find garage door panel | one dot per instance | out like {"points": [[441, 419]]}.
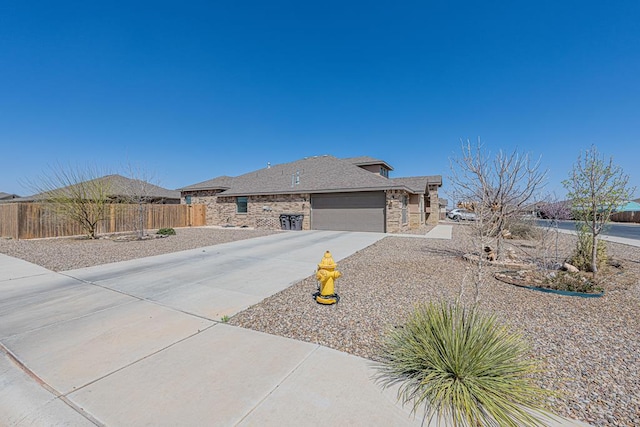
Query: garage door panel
{"points": [[361, 211]]}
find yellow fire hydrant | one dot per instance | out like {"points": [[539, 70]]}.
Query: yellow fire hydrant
{"points": [[326, 275]]}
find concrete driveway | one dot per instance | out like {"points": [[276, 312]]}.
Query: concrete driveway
{"points": [[140, 343]]}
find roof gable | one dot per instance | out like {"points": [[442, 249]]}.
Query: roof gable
{"points": [[418, 184]]}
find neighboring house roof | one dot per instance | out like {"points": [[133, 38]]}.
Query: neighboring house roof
{"points": [[366, 160], [7, 196], [121, 187], [319, 174], [418, 184], [632, 206]]}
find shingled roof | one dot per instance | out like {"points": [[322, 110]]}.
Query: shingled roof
{"points": [[7, 196], [366, 160], [220, 183], [121, 187], [418, 184], [322, 174], [319, 174]]}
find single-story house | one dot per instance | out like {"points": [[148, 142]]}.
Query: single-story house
{"points": [[324, 192], [119, 189], [6, 196]]}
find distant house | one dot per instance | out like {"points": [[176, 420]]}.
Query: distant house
{"points": [[324, 193], [122, 189], [6, 196], [627, 212], [632, 206], [443, 208]]}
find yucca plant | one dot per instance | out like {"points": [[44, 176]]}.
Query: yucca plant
{"points": [[463, 366]]}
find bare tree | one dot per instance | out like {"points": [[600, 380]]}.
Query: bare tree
{"points": [[499, 188], [80, 194], [553, 210], [596, 188], [138, 190]]}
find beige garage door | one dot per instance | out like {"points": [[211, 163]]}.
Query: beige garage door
{"points": [[361, 211]]}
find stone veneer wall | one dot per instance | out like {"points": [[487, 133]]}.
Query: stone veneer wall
{"points": [[434, 202], [205, 197], [263, 212], [394, 212]]}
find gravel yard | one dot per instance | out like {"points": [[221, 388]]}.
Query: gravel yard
{"points": [[61, 254], [590, 347]]}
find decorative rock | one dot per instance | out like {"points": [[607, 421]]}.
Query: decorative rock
{"points": [[511, 254], [570, 268]]}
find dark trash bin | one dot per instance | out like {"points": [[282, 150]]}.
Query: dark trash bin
{"points": [[296, 222], [285, 222]]}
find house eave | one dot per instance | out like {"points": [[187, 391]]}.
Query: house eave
{"points": [[315, 191]]}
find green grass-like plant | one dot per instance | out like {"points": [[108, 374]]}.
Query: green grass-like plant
{"points": [[167, 232], [463, 366]]}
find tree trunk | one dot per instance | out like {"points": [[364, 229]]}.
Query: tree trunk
{"points": [[594, 249]]}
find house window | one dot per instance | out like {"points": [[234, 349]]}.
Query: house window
{"points": [[241, 204], [384, 171], [187, 200]]}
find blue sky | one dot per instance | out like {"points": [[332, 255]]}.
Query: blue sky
{"points": [[193, 90]]}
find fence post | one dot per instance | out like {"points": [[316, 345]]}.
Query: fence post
{"points": [[20, 219], [16, 225]]}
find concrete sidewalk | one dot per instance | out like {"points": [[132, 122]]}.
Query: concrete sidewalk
{"points": [[621, 240], [440, 231], [141, 343]]}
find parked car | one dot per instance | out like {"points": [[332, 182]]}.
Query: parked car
{"points": [[458, 214]]}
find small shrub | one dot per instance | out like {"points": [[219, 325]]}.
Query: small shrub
{"points": [[574, 282], [224, 319], [523, 229], [167, 232], [581, 258], [462, 366]]}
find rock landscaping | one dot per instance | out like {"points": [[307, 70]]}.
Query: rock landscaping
{"points": [[68, 253], [589, 347]]}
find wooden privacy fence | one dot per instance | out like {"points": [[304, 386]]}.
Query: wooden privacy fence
{"points": [[627, 216], [38, 220]]}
